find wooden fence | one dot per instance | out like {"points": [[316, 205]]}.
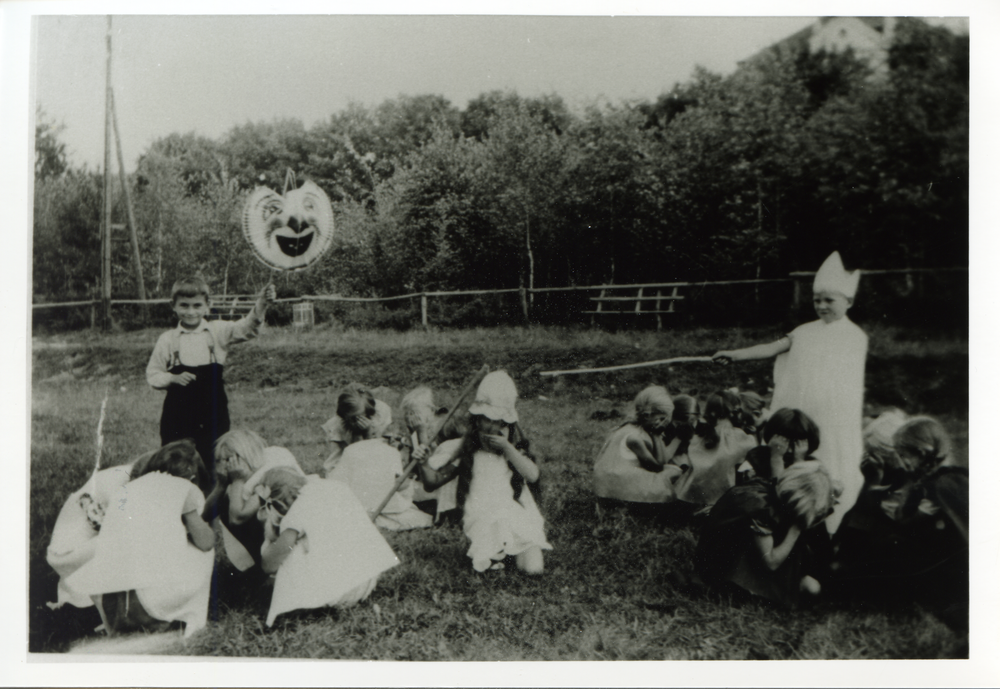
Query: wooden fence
{"points": [[617, 301]]}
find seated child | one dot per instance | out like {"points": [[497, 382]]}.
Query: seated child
{"points": [[319, 543], [496, 476], [73, 535], [241, 459], [632, 465], [153, 558], [685, 419], [790, 436], [424, 421], [359, 417], [754, 540], [719, 446], [907, 537]]}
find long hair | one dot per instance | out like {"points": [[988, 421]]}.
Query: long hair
{"points": [[179, 458], [472, 444], [243, 444]]}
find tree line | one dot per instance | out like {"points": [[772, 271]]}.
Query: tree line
{"points": [[750, 175]]}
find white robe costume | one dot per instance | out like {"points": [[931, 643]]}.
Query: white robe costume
{"points": [[823, 375], [339, 553], [143, 546]]}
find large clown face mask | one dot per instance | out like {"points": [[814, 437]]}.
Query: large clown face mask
{"points": [[290, 232]]}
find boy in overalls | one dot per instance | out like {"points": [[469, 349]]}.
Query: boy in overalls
{"points": [[187, 362]]}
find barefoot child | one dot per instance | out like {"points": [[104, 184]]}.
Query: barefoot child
{"points": [[754, 536], [820, 369], [632, 465], [320, 543], [187, 362], [495, 475], [153, 558]]}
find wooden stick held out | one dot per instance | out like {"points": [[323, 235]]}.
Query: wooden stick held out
{"points": [[469, 389], [642, 364]]}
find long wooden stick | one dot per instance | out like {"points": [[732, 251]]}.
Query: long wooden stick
{"points": [[642, 364], [469, 389], [100, 447]]}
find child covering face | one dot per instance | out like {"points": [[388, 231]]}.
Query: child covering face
{"points": [[633, 464], [319, 542], [154, 554]]}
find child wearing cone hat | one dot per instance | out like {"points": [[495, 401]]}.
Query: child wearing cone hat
{"points": [[820, 370]]}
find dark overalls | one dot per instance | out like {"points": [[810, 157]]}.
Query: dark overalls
{"points": [[198, 410]]}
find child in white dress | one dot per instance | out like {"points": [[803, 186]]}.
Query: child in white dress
{"points": [[319, 543], [153, 557], [359, 417], [79, 521], [495, 475], [820, 369]]}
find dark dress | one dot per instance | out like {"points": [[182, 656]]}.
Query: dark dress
{"points": [[920, 553], [727, 552]]}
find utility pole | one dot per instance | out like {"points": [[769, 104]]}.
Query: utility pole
{"points": [[133, 237], [106, 224]]}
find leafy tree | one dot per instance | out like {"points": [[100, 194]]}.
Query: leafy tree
{"points": [[50, 152]]}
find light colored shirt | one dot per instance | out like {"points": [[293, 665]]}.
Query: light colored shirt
{"points": [[195, 347]]}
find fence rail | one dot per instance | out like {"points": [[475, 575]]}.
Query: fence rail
{"points": [[604, 294]]}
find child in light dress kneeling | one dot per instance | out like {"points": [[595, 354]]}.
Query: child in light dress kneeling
{"points": [[633, 464], [319, 543], [496, 474], [153, 558]]}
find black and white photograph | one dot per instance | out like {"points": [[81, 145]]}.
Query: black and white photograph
{"points": [[511, 335]]}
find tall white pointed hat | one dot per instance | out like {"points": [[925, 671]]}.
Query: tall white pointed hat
{"points": [[831, 277]]}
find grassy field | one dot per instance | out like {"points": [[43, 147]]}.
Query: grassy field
{"points": [[607, 592]]}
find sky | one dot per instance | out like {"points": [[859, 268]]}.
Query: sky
{"points": [[209, 73]]}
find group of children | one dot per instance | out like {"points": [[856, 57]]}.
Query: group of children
{"points": [[138, 540]]}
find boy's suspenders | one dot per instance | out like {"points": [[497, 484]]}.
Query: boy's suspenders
{"points": [[174, 359]]}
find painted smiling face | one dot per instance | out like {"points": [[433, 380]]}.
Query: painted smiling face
{"points": [[290, 232]]}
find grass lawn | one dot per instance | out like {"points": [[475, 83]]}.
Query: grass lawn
{"points": [[607, 591]]}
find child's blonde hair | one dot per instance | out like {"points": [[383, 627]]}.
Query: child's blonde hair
{"points": [[925, 440], [279, 488], [189, 287], [808, 491], [241, 443], [652, 401], [419, 410]]}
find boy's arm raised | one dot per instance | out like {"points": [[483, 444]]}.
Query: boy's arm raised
{"points": [[246, 328]]}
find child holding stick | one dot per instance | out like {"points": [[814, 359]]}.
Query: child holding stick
{"points": [[496, 474], [820, 369]]}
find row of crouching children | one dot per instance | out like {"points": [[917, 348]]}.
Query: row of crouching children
{"points": [[138, 540], [762, 500]]}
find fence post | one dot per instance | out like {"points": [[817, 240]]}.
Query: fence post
{"points": [[524, 302], [659, 317], [423, 310]]}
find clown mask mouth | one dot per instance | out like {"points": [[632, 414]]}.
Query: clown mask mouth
{"points": [[294, 246]]}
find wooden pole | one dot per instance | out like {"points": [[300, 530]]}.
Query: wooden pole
{"points": [[423, 310], [106, 224], [642, 364], [133, 237], [469, 389]]}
